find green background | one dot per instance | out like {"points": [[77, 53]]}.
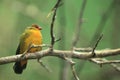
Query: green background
{"points": [[16, 15]]}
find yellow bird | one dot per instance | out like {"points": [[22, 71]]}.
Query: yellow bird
{"points": [[32, 35]]}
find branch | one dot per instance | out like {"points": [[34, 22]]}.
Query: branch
{"points": [[96, 44], [72, 63], [74, 72], [61, 54], [83, 49], [77, 34], [43, 65], [52, 23], [102, 61]]}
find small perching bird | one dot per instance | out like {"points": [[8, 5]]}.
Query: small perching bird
{"points": [[32, 35]]}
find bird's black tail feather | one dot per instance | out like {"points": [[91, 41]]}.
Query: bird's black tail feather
{"points": [[18, 69]]}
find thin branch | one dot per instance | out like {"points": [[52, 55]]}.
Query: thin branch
{"points": [[43, 65], [74, 72], [102, 61], [61, 54], [52, 23], [96, 44], [77, 34], [72, 63], [90, 49]]}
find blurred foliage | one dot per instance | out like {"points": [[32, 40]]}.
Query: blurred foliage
{"points": [[16, 15]]}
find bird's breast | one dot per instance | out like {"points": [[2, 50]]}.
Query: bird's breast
{"points": [[36, 39]]}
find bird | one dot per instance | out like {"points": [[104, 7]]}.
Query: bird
{"points": [[31, 35]]}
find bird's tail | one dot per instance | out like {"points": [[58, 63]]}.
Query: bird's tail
{"points": [[19, 66]]}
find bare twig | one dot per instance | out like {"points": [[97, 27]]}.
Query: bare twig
{"points": [[96, 44], [52, 24], [72, 63], [89, 50], [57, 40], [77, 34], [74, 72], [43, 65], [102, 61]]}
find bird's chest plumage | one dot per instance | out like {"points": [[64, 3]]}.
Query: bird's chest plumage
{"points": [[35, 38]]}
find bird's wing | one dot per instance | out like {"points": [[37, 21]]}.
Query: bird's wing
{"points": [[22, 45]]}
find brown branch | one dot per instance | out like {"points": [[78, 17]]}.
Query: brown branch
{"points": [[52, 23], [61, 54]]}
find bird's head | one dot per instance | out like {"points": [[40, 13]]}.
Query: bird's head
{"points": [[36, 26]]}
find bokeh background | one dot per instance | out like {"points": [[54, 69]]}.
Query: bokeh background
{"points": [[100, 16]]}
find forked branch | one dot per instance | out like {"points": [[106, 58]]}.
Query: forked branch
{"points": [[60, 54]]}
